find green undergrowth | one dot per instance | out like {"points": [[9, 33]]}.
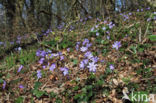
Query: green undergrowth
{"points": [[133, 62]]}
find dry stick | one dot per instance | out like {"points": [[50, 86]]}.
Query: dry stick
{"points": [[140, 34], [147, 28], [132, 25]]}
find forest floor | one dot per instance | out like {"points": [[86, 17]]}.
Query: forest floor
{"points": [[96, 62]]}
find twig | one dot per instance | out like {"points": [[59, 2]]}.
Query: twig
{"points": [[132, 25], [147, 28], [153, 77], [140, 34]]}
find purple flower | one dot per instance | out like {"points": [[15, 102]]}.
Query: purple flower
{"points": [[59, 53], [85, 41], [85, 61], [1, 43], [88, 45], [68, 49], [49, 51], [39, 74], [96, 26], [98, 19], [89, 17], [41, 60], [141, 9], [86, 18], [83, 49], [111, 67], [61, 58], [130, 13], [104, 28], [44, 67], [20, 68], [105, 22], [38, 53], [55, 54], [110, 23], [51, 55], [107, 32], [4, 84], [43, 53], [64, 70], [52, 67], [108, 37], [11, 43], [92, 67], [21, 86], [92, 29], [81, 20], [95, 59], [88, 55], [102, 61], [82, 65], [149, 19], [117, 45], [148, 8], [19, 48], [77, 47], [18, 41], [97, 34], [78, 43], [110, 26], [138, 10]]}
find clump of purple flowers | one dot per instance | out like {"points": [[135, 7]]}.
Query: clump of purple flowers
{"points": [[89, 60], [40, 53]]}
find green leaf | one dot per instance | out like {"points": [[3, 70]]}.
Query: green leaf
{"points": [[52, 94], [77, 96], [1, 80], [76, 88], [19, 100], [75, 61], [38, 93], [152, 38], [104, 42], [57, 38], [37, 85]]}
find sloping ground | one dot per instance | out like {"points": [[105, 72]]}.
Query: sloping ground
{"points": [[95, 63]]}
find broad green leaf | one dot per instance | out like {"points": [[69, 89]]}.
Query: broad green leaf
{"points": [[38, 93], [152, 37], [19, 100], [37, 85]]}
